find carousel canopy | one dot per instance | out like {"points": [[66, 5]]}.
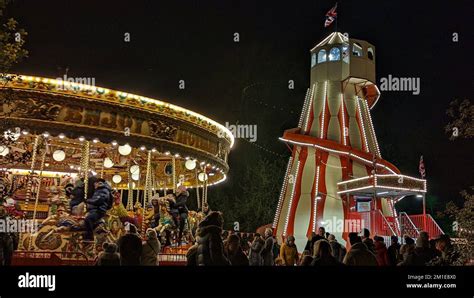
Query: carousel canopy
{"points": [[120, 129]]}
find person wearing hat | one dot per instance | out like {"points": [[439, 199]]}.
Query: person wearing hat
{"points": [[97, 205], [130, 246], [289, 252], [151, 249]]}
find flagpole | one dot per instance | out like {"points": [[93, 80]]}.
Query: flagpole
{"points": [[336, 19]]}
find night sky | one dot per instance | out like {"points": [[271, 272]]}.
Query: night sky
{"points": [[193, 41]]}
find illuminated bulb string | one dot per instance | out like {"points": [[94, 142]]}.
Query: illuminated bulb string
{"points": [[372, 127], [315, 208], [324, 108], [303, 111], [291, 200], [361, 120], [308, 112], [282, 193], [343, 121]]}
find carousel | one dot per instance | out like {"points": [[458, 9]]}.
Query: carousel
{"points": [[58, 134]]}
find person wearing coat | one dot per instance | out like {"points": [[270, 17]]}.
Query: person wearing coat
{"points": [[97, 205], [151, 249], [267, 251], [108, 257], [130, 246], [289, 252], [422, 254], [381, 252], [234, 252], [359, 254], [322, 255], [255, 258], [337, 250], [210, 249]]}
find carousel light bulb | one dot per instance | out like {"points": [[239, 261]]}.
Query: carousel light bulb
{"points": [[117, 178], [114, 143], [25, 132], [71, 167], [96, 140], [190, 164], [135, 169], [108, 163], [61, 136], [125, 149], [81, 139], [4, 150], [59, 155], [153, 150], [167, 153], [176, 155], [142, 148], [202, 177], [202, 163], [187, 158], [46, 134]]}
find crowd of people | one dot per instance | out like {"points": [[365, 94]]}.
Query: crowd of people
{"points": [[217, 247], [211, 245]]}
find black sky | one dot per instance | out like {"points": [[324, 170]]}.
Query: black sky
{"points": [[193, 41]]}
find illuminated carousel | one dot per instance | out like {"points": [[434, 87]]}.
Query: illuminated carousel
{"points": [[59, 133]]}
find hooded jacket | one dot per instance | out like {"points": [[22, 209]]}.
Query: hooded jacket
{"points": [[100, 199], [360, 255], [210, 249], [151, 249], [109, 257]]}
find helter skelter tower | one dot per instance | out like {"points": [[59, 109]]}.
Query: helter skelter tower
{"points": [[335, 149]]}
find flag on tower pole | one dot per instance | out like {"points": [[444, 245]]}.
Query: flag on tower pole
{"points": [[331, 15], [421, 168]]}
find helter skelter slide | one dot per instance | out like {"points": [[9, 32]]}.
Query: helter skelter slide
{"points": [[336, 177]]}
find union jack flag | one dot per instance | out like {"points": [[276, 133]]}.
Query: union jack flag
{"points": [[330, 16], [421, 168]]}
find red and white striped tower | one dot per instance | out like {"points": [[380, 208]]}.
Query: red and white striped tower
{"points": [[334, 141]]}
